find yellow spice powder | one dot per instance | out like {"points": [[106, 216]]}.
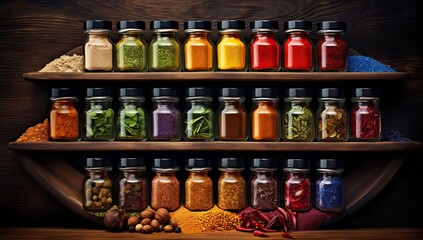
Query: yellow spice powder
{"points": [[231, 53]]}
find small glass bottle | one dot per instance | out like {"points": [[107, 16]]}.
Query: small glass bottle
{"points": [[132, 119], [265, 115], [132, 185], [264, 186], [297, 194], [329, 186], [131, 49], [298, 49], [165, 115], [98, 117], [365, 116], [231, 48], [232, 115], [198, 48], [198, 186], [64, 118], [165, 48], [332, 117], [198, 115], [264, 48], [332, 49], [231, 186], [165, 189], [298, 117], [97, 195], [98, 47]]}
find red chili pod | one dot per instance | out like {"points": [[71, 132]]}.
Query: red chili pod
{"points": [[260, 234], [283, 223], [261, 227], [283, 212], [286, 235], [271, 222], [243, 229], [263, 216], [293, 218]]}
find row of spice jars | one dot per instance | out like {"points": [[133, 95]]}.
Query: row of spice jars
{"points": [[198, 53]]}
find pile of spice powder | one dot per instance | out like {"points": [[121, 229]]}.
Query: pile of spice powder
{"points": [[65, 63], [213, 220], [37, 133]]}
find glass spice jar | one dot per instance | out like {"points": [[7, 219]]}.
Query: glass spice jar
{"points": [[231, 48], [332, 117], [131, 49], [329, 186], [64, 118], [198, 186], [332, 49], [132, 119], [264, 186], [132, 185], [165, 48], [231, 186], [298, 49], [165, 189], [198, 115], [365, 116], [264, 48], [198, 48], [232, 115], [165, 115], [98, 117], [98, 47], [298, 117], [97, 195], [297, 185], [265, 116]]}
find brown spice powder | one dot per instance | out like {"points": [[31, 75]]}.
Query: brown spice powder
{"points": [[65, 63], [37, 133]]}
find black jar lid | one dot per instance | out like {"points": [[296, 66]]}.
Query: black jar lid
{"points": [[298, 25], [198, 92], [231, 92], [98, 92], [62, 92], [297, 164], [266, 24], [130, 24], [164, 163], [265, 93], [365, 92], [132, 162], [131, 92], [198, 163], [198, 24], [332, 164], [331, 25], [164, 24], [231, 24], [97, 24], [263, 163], [298, 92], [161, 92], [231, 163], [98, 162], [332, 93]]}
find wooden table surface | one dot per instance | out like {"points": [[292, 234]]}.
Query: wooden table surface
{"points": [[88, 234]]}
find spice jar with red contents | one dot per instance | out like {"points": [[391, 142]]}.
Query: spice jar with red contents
{"points": [[332, 49], [365, 116], [297, 48], [165, 189], [264, 186], [198, 186], [132, 185], [64, 118], [297, 185], [264, 49]]}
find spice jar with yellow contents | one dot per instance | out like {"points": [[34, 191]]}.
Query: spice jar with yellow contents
{"points": [[265, 116], [231, 48], [165, 189], [97, 187], [64, 118], [98, 48], [198, 48], [232, 115], [198, 186], [132, 185], [231, 188], [332, 119]]}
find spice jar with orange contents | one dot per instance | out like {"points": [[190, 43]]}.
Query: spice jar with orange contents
{"points": [[198, 48], [231, 188], [198, 186], [64, 118], [165, 189], [265, 115]]}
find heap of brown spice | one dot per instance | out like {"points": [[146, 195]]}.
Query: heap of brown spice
{"points": [[65, 63], [37, 133]]}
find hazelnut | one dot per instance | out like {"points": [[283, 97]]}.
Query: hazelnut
{"points": [[162, 215], [147, 229], [161, 228], [134, 220], [173, 223], [155, 224], [148, 213], [138, 227], [146, 221], [168, 229]]}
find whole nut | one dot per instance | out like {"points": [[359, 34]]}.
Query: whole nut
{"points": [[147, 229], [148, 213], [132, 221], [146, 221], [168, 229], [155, 224], [173, 223], [161, 228], [138, 227], [162, 215]]}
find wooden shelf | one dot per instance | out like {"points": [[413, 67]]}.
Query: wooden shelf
{"points": [[219, 146]]}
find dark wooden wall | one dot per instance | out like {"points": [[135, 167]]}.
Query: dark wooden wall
{"points": [[32, 33]]}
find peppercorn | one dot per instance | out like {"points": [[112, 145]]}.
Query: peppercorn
{"points": [[178, 229]]}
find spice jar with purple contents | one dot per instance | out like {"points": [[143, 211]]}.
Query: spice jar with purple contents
{"points": [[132, 185], [297, 185], [231, 189], [264, 186], [329, 186], [165, 190], [198, 186], [165, 116]]}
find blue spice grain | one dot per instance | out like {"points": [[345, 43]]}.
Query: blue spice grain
{"points": [[330, 193]]}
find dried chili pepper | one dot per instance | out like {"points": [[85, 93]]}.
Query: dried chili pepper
{"points": [[260, 234], [244, 229], [286, 235]]}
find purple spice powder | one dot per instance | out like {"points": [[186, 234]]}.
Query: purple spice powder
{"points": [[165, 124]]}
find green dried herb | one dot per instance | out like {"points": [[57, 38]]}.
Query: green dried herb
{"points": [[199, 123], [99, 123], [132, 123], [164, 54], [298, 124], [131, 54]]}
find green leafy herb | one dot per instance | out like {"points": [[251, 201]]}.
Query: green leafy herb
{"points": [[99, 123], [132, 123], [298, 124], [199, 123]]}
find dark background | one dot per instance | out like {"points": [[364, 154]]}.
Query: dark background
{"points": [[33, 33]]}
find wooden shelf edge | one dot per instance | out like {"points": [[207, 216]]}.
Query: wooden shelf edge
{"points": [[384, 146]]}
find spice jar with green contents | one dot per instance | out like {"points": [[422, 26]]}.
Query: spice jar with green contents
{"points": [[231, 48], [198, 186], [198, 116], [98, 48], [132, 122], [231, 187], [297, 116], [165, 48], [165, 189], [97, 195], [232, 115], [98, 117], [198, 48], [332, 117], [132, 185], [264, 186], [131, 49]]}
